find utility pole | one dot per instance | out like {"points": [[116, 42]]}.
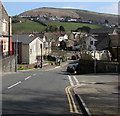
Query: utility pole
{"points": [[16, 54], [41, 56]]}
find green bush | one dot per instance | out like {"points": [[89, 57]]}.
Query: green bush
{"points": [[104, 57], [86, 57]]}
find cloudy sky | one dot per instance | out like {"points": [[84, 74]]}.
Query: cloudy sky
{"points": [[14, 8]]}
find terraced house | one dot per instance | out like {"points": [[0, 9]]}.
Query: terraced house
{"points": [[5, 32], [6, 54], [28, 48]]}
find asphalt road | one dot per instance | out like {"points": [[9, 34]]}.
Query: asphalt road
{"points": [[36, 92], [47, 91]]}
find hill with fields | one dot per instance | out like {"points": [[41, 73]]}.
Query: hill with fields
{"points": [[24, 25], [74, 13]]}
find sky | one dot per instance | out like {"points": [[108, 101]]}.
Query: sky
{"points": [[15, 8]]}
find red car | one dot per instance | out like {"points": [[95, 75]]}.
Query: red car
{"points": [[74, 57]]}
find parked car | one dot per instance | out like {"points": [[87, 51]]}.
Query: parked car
{"points": [[37, 66], [72, 68], [74, 57]]}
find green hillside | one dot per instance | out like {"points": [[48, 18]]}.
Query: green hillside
{"points": [[26, 26], [72, 26]]}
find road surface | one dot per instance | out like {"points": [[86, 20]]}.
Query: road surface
{"points": [[47, 91], [38, 92]]}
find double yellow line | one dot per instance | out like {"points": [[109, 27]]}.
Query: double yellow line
{"points": [[72, 105]]}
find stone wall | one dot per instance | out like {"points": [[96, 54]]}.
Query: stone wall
{"points": [[8, 64], [107, 67], [87, 66]]}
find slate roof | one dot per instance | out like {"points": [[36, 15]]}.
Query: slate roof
{"points": [[41, 35], [24, 38], [102, 31], [102, 43], [118, 30], [115, 41]]}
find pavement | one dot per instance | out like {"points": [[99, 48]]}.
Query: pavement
{"points": [[98, 99], [45, 66], [7, 73]]}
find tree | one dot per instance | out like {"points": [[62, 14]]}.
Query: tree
{"points": [[78, 29], [52, 28], [63, 45], [62, 28], [15, 21], [86, 29], [106, 21], [56, 28], [46, 30]]}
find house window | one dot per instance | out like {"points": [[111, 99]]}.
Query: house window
{"points": [[4, 27], [30, 51], [5, 23], [4, 45], [91, 42]]}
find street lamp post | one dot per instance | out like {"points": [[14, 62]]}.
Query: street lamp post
{"points": [[41, 56], [94, 62]]}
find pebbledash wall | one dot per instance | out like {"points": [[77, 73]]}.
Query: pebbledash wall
{"points": [[8, 64]]}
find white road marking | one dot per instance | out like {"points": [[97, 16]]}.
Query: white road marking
{"points": [[53, 68], [64, 64], [27, 77], [48, 70], [70, 79], [85, 106], [57, 67], [76, 80], [14, 85], [34, 74]]}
